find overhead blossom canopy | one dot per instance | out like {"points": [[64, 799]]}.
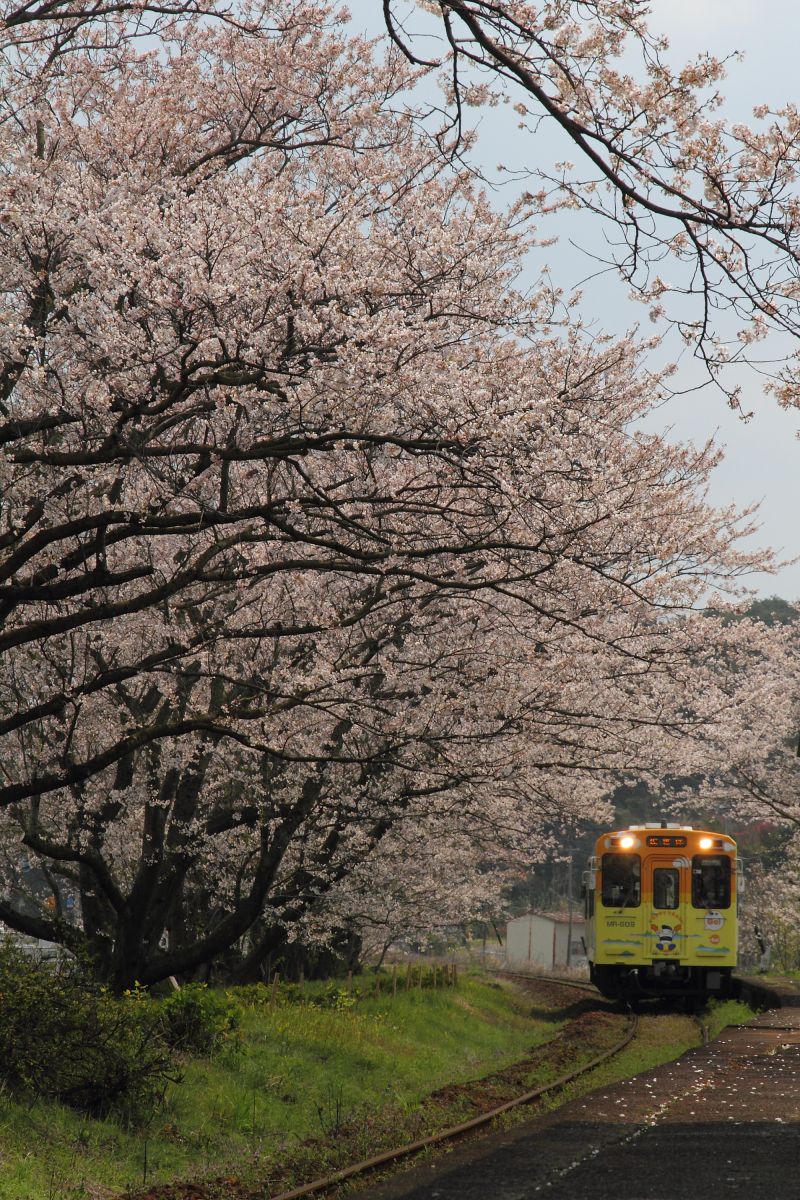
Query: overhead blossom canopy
{"points": [[701, 213], [313, 525]]}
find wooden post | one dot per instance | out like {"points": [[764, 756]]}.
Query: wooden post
{"points": [[377, 986], [349, 983], [408, 976], [394, 980], [275, 981], [302, 982]]}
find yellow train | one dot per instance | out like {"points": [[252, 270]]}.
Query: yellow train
{"points": [[660, 906]]}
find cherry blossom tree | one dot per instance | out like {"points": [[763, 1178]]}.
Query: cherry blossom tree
{"points": [[743, 771], [753, 778], [696, 208], [318, 535]]}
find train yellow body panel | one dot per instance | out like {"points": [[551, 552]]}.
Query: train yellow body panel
{"points": [[660, 907]]}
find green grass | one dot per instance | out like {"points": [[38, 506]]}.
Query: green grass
{"points": [[721, 1013], [309, 1089], [302, 1073]]}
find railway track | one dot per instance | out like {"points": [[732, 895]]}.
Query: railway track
{"points": [[717, 1121], [455, 1132], [578, 984]]}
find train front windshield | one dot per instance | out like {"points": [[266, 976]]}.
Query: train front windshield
{"points": [[711, 882], [666, 887], [621, 880]]}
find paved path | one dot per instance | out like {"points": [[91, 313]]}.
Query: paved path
{"points": [[721, 1121]]}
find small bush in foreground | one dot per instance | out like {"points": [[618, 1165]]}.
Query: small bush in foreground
{"points": [[64, 1038], [198, 1021]]}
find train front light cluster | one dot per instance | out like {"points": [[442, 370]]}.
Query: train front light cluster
{"points": [[622, 841], [708, 843]]}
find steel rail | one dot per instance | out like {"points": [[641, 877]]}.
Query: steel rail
{"points": [[435, 1139], [579, 984]]}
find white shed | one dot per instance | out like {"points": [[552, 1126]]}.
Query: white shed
{"points": [[541, 940]]}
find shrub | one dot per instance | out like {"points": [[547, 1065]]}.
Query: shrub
{"points": [[254, 995], [199, 1020], [63, 1037]]}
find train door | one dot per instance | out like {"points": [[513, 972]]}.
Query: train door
{"points": [[667, 918]]}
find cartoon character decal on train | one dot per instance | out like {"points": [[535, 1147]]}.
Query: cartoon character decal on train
{"points": [[660, 908], [666, 935]]}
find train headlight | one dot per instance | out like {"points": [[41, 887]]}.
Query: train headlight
{"points": [[626, 843], [706, 843]]}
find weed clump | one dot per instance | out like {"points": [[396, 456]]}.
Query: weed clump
{"points": [[196, 1020]]}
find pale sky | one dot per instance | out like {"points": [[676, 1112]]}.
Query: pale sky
{"points": [[762, 457]]}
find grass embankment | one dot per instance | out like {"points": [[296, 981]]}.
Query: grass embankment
{"points": [[311, 1089], [307, 1087]]}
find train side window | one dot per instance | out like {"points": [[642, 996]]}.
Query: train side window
{"points": [[666, 887], [711, 882], [621, 880]]}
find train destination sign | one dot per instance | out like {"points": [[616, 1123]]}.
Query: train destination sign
{"points": [[671, 841]]}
